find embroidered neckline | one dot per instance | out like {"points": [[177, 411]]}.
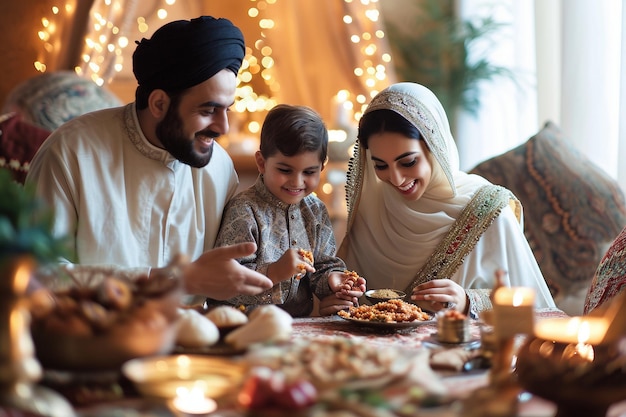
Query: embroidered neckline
{"points": [[131, 125]]}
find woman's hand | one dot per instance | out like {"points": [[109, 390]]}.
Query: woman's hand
{"points": [[438, 294]]}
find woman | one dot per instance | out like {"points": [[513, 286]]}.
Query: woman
{"points": [[414, 217], [609, 279]]}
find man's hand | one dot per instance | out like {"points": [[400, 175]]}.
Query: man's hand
{"points": [[217, 274]]}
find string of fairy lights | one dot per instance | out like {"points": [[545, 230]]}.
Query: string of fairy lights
{"points": [[102, 54], [111, 22], [258, 62]]}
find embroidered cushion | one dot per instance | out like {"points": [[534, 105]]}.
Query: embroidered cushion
{"points": [[51, 99], [572, 210], [19, 140]]}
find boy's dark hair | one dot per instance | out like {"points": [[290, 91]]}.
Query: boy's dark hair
{"points": [[291, 130]]}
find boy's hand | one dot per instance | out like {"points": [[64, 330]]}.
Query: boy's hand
{"points": [[332, 304], [288, 265], [348, 288], [347, 285]]}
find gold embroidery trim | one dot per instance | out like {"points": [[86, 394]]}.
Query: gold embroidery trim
{"points": [[464, 234]]}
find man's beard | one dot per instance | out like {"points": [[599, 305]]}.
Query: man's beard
{"points": [[170, 132]]}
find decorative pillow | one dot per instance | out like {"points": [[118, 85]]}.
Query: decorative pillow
{"points": [[19, 140], [572, 210], [610, 278], [51, 99]]}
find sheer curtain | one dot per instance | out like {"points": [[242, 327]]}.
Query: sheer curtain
{"points": [[508, 112], [567, 55]]}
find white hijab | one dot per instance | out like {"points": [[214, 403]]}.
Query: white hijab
{"points": [[389, 239]]}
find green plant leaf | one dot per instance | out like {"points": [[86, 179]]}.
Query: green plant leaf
{"points": [[26, 223], [436, 54]]}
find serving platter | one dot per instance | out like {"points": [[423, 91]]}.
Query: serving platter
{"points": [[390, 325]]}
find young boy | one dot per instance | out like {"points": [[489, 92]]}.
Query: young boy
{"points": [[288, 223]]}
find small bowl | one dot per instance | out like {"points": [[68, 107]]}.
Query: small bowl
{"points": [[384, 294], [160, 376], [452, 329]]}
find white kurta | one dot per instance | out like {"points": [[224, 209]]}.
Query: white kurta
{"points": [[123, 201]]}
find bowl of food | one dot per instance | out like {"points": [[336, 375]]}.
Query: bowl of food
{"points": [[99, 327], [384, 294]]}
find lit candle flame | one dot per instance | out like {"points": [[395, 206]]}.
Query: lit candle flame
{"points": [[193, 401], [583, 349], [586, 329], [514, 296], [518, 298], [583, 332]]}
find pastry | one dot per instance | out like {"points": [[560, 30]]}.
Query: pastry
{"points": [[267, 323], [227, 316], [195, 329], [307, 255]]}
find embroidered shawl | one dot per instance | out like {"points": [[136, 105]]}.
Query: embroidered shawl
{"points": [[395, 243]]}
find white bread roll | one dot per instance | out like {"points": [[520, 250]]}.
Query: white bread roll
{"points": [[195, 330], [267, 323], [227, 316]]}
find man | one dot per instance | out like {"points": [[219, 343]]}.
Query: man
{"points": [[135, 186]]}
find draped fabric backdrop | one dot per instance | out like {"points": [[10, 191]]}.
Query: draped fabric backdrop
{"points": [[311, 46]]}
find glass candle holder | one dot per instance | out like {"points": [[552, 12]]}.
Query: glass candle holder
{"points": [[581, 379]]}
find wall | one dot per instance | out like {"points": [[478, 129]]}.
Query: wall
{"points": [[20, 21], [20, 44]]}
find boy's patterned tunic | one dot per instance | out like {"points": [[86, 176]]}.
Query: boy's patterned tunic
{"points": [[256, 215]]}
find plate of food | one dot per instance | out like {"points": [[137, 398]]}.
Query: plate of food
{"points": [[392, 314]]}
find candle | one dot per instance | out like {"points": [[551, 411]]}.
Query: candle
{"points": [[513, 311], [514, 296], [581, 352], [193, 401], [585, 330]]}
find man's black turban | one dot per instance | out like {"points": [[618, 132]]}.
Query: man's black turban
{"points": [[184, 53]]}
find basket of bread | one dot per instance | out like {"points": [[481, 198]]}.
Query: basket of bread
{"points": [[99, 326]]}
